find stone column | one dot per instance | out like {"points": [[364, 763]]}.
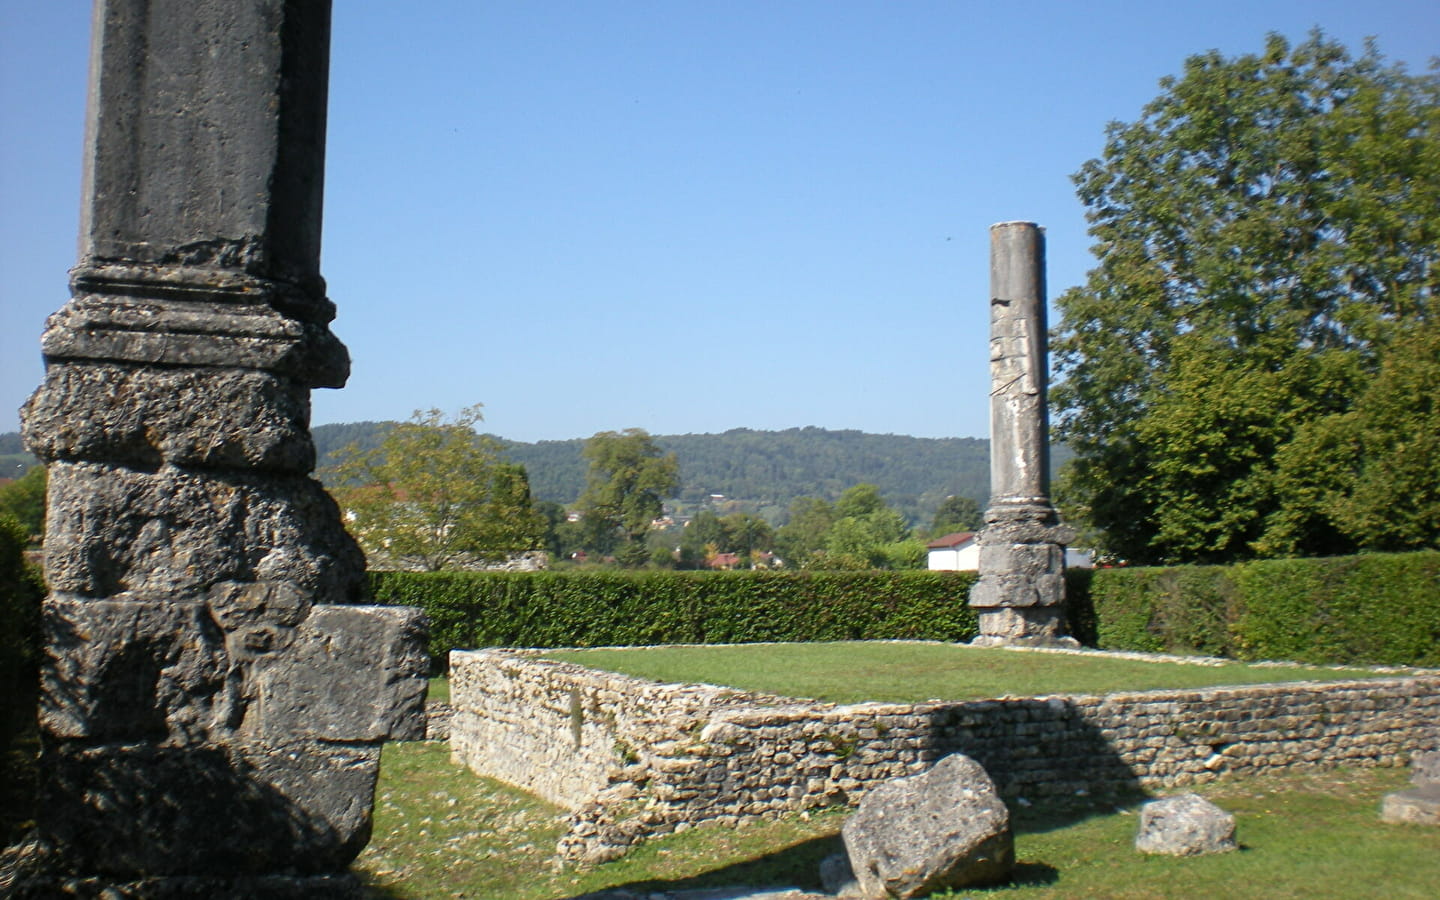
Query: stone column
{"points": [[213, 703], [1021, 591]]}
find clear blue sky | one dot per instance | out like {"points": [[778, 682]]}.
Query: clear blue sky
{"points": [[680, 216]]}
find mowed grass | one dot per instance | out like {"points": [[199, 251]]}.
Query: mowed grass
{"points": [[441, 832], [906, 672]]}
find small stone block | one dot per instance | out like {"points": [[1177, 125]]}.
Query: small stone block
{"points": [[1416, 806], [354, 673]]}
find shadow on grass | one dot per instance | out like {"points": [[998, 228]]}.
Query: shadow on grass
{"points": [[795, 866], [798, 866]]}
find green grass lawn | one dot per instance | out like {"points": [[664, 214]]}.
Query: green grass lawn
{"points": [[441, 832], [852, 672], [439, 691]]}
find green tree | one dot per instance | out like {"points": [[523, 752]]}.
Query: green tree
{"points": [[435, 495], [625, 488], [867, 532], [802, 538], [1370, 476], [24, 501], [704, 535], [1263, 231], [957, 513]]}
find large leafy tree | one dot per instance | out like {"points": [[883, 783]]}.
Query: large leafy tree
{"points": [[1371, 474], [868, 533], [801, 540], [1265, 230], [436, 495], [743, 534], [625, 488]]}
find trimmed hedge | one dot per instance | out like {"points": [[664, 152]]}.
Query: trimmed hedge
{"points": [[1374, 609], [616, 608], [21, 591], [1379, 609]]}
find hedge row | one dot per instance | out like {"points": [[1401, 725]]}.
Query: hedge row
{"points": [[1375, 609], [21, 590], [614, 608]]}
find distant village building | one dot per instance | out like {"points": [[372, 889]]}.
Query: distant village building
{"points": [[955, 552]]}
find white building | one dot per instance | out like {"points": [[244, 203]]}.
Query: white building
{"points": [[959, 552], [956, 552]]}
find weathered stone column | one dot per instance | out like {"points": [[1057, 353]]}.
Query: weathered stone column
{"points": [[1021, 591], [211, 715]]}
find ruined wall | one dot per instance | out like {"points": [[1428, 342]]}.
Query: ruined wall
{"points": [[633, 758]]}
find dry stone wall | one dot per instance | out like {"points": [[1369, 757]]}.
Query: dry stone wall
{"points": [[632, 758]]}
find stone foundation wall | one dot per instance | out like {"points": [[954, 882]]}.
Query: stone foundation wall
{"points": [[633, 758]]}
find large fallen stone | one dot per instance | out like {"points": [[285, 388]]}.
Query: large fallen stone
{"points": [[944, 828], [1187, 825]]}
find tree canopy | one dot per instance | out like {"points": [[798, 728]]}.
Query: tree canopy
{"points": [[858, 531], [626, 486], [1267, 234], [435, 495], [957, 514]]}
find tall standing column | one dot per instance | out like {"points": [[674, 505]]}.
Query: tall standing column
{"points": [[1020, 594], [212, 707]]}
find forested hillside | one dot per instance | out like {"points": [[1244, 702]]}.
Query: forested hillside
{"points": [[764, 470]]}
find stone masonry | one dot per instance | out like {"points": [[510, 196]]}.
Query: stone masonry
{"points": [[1021, 589], [633, 758], [213, 702]]}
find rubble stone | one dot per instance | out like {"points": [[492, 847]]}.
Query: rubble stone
{"points": [[945, 828], [1185, 825]]}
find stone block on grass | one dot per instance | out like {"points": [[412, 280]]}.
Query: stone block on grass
{"points": [[1186, 825], [944, 828]]}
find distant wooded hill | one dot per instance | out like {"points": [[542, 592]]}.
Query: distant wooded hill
{"points": [[759, 471]]}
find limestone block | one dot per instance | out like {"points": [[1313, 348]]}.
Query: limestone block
{"points": [[303, 808], [1418, 806], [115, 530], [945, 828], [1185, 825], [205, 417], [117, 328], [131, 670], [354, 673], [1038, 625]]}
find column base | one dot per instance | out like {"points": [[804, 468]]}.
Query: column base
{"points": [[1030, 626]]}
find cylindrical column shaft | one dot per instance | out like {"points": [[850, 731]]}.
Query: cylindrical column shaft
{"points": [[1019, 421]]}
